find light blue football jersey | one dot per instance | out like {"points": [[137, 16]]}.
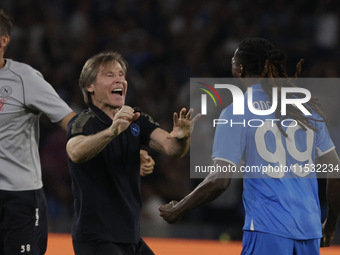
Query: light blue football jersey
{"points": [[277, 202]]}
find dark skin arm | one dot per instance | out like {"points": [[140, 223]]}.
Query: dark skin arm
{"points": [[333, 198], [208, 190]]}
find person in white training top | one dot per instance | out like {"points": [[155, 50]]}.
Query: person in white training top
{"points": [[24, 97]]}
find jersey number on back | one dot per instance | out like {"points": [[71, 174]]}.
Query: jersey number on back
{"points": [[280, 155]]}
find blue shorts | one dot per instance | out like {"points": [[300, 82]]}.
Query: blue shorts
{"points": [[258, 243]]}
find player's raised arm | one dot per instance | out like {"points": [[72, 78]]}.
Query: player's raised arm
{"points": [[208, 190], [333, 200], [82, 148], [176, 143]]}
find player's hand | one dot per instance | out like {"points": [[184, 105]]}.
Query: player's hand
{"points": [[183, 124], [122, 120], [327, 234], [147, 163], [169, 212]]}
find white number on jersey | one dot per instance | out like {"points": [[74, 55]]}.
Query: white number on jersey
{"points": [[279, 156]]}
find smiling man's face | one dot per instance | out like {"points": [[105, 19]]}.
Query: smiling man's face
{"points": [[109, 89]]}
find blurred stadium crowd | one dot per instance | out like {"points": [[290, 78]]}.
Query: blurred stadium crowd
{"points": [[165, 42]]}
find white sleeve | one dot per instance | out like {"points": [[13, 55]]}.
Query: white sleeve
{"points": [[40, 96]]}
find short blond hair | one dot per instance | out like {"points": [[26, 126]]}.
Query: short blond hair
{"points": [[90, 70]]}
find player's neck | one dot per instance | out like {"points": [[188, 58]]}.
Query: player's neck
{"points": [[111, 112], [108, 110], [249, 81], [2, 62]]}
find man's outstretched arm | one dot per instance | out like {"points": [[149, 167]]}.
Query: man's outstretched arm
{"points": [[177, 142], [208, 190]]}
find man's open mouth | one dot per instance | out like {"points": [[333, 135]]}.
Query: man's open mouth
{"points": [[118, 91]]}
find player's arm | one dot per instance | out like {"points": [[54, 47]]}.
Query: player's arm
{"points": [[176, 143], [208, 190], [63, 123], [82, 148], [333, 199]]}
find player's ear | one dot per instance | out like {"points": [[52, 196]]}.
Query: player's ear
{"points": [[90, 88], [241, 71], [238, 71]]}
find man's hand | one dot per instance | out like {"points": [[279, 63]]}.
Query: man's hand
{"points": [[183, 126], [147, 163], [169, 212], [122, 120]]}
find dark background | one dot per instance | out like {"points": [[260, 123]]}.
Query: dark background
{"points": [[165, 42]]}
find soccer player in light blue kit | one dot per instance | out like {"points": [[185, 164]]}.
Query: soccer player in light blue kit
{"points": [[282, 208]]}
